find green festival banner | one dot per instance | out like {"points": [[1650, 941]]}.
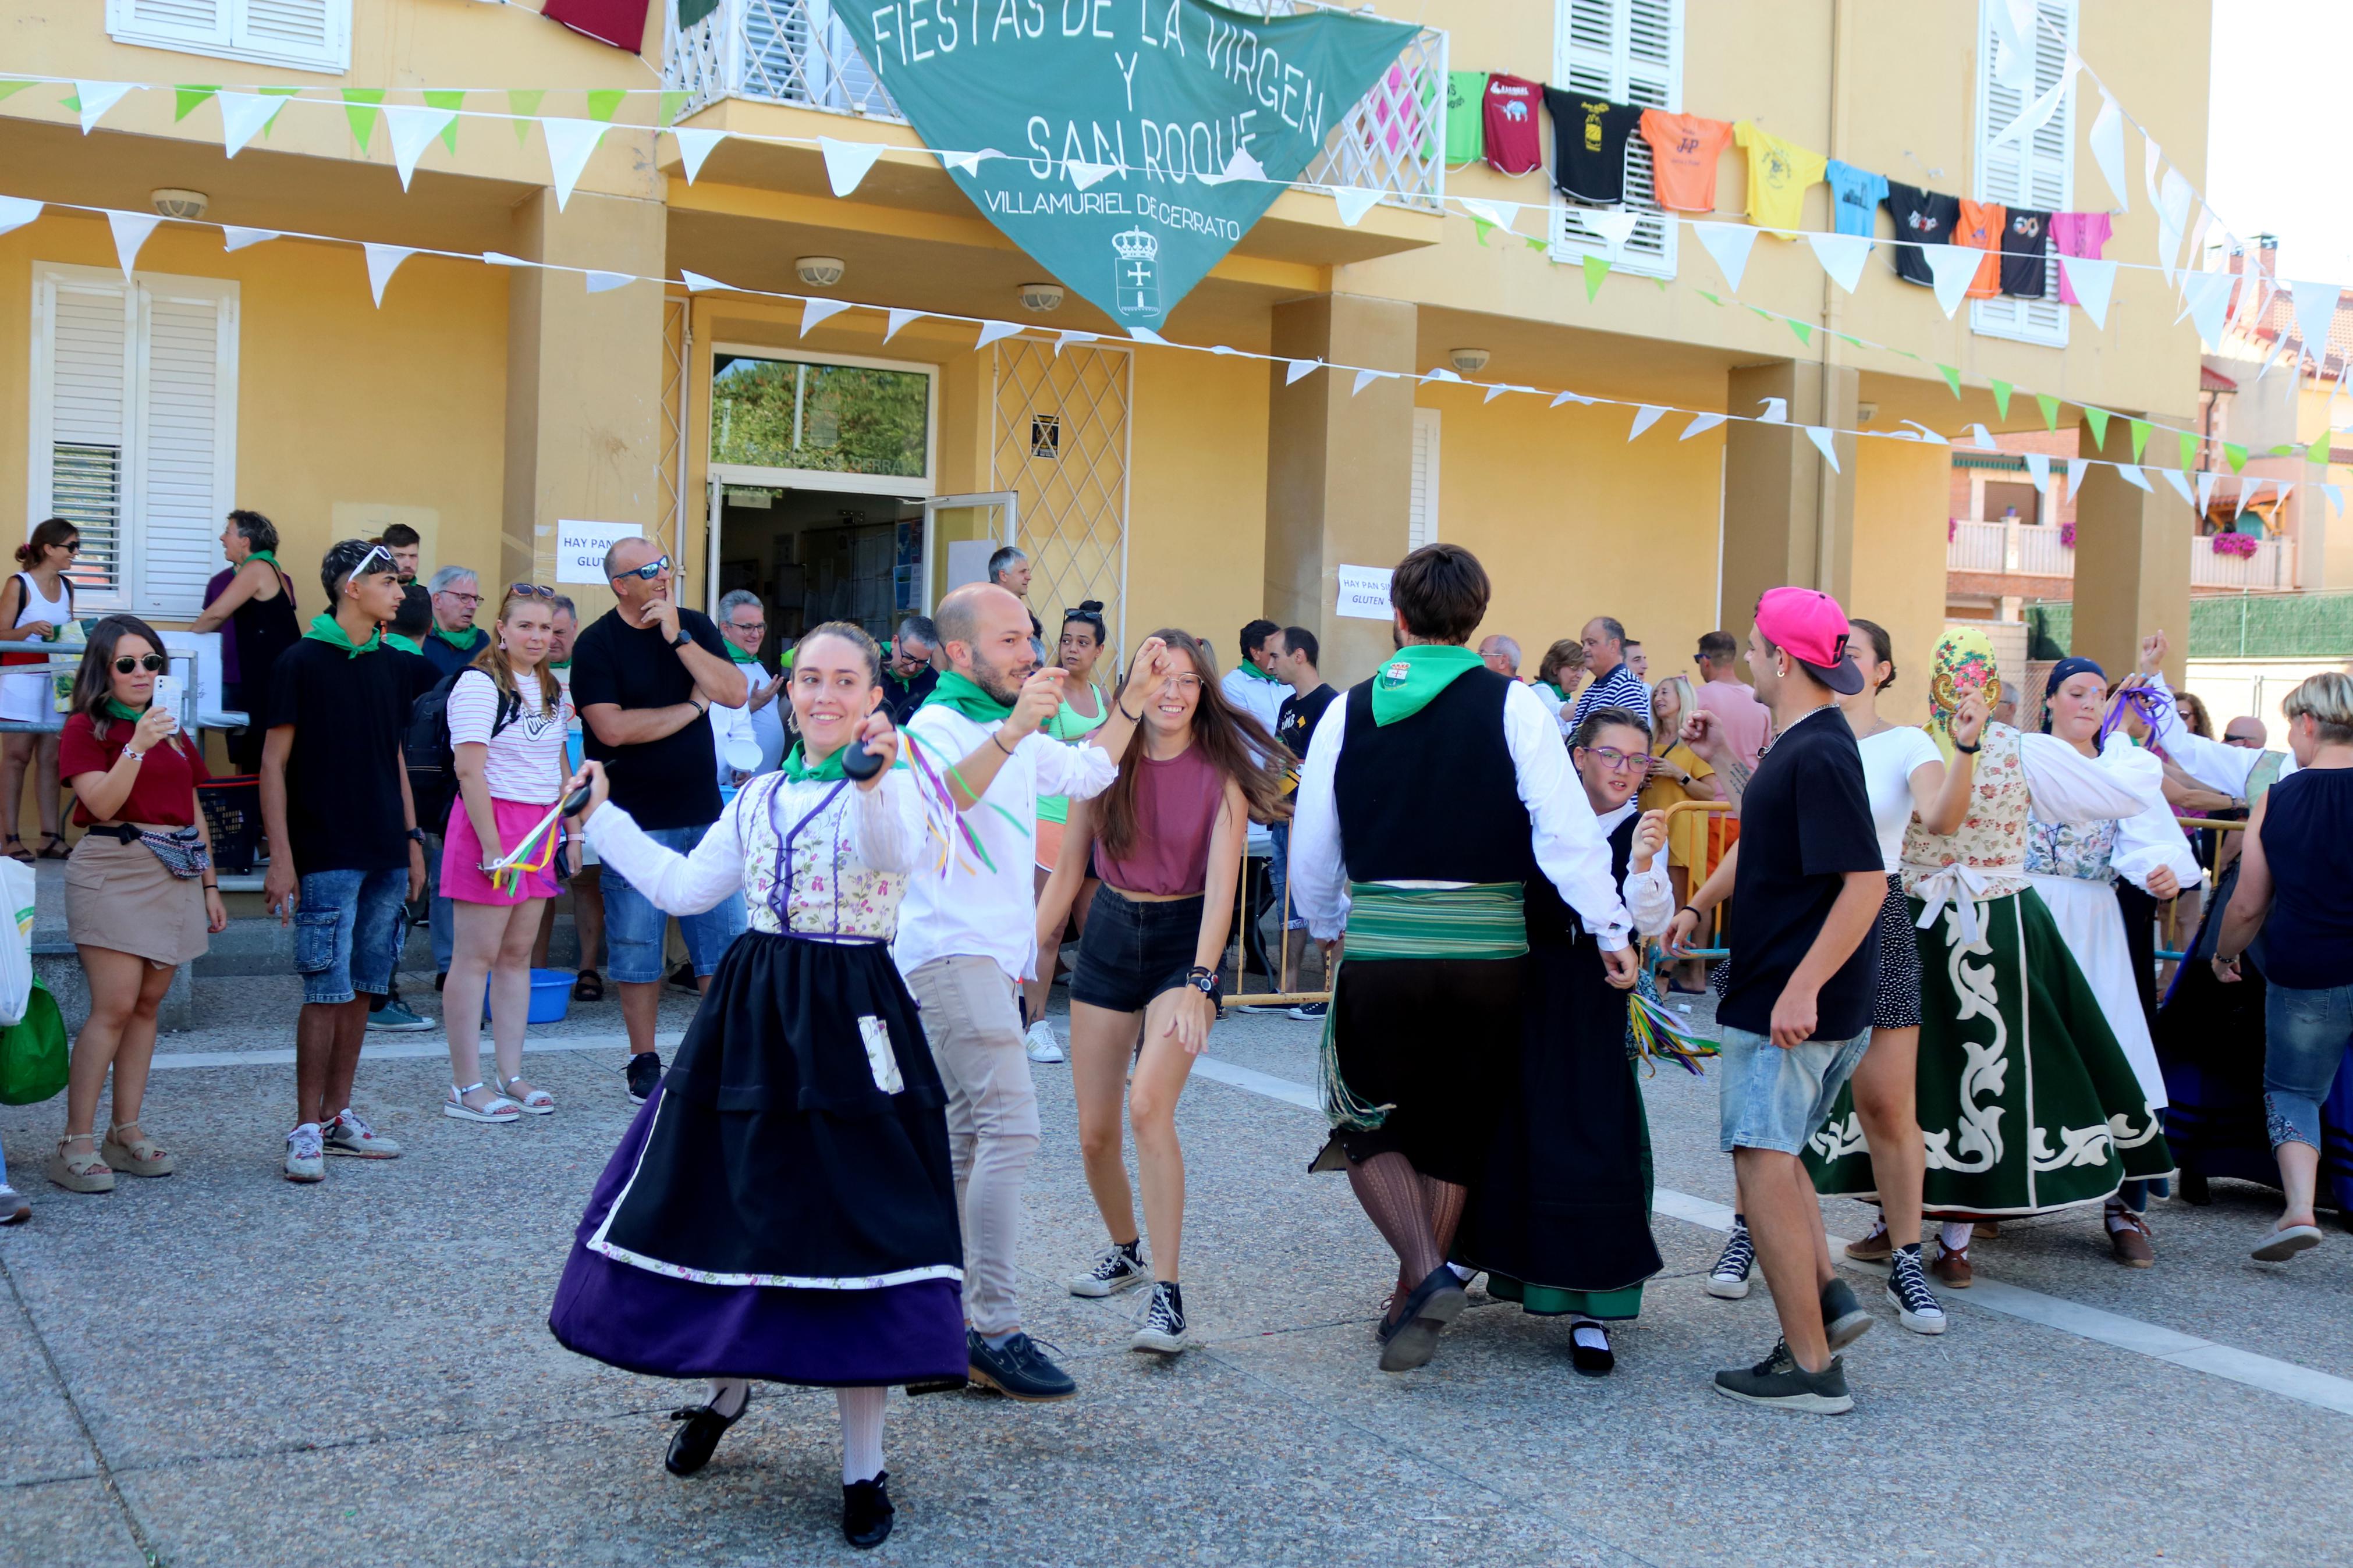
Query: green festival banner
{"points": [[1111, 130]]}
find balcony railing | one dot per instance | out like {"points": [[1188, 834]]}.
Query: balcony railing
{"points": [[2272, 568], [2027, 550], [797, 52]]}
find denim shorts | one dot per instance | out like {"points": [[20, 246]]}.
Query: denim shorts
{"points": [[2304, 1037], [1135, 949], [1768, 1097], [347, 931], [633, 926]]}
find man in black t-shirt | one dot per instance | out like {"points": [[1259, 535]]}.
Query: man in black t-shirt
{"points": [[644, 676], [1796, 1017], [1291, 655]]}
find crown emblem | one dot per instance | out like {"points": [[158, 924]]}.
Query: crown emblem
{"points": [[1136, 244]]}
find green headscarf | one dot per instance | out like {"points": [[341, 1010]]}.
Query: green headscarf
{"points": [[1408, 682], [964, 694], [325, 629]]}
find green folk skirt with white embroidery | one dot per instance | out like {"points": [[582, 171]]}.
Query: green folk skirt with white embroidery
{"points": [[2026, 1101]]}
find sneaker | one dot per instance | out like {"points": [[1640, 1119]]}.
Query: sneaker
{"points": [[1729, 1277], [304, 1156], [1781, 1382], [347, 1134], [393, 1017], [14, 1209], [1874, 1248], [1016, 1369], [1311, 1012], [1907, 1290], [1042, 1044], [1122, 1268], [644, 1072], [1843, 1318], [1163, 1321], [683, 978]]}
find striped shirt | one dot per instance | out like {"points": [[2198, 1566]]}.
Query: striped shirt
{"points": [[1622, 688]]}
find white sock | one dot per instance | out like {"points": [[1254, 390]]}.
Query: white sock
{"points": [[728, 1395], [862, 1433], [1954, 1235], [2120, 1217]]}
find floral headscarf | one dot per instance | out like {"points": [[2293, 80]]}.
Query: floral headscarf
{"points": [[1964, 665]]}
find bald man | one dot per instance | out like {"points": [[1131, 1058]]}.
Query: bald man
{"points": [[1502, 655]]}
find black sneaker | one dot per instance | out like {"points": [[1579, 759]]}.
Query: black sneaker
{"points": [[1779, 1381], [1311, 1011], [1122, 1268], [683, 979], [644, 1072], [1163, 1321], [1729, 1277], [1018, 1370], [1843, 1318], [866, 1511], [1916, 1307]]}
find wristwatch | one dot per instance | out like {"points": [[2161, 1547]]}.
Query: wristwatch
{"points": [[683, 637], [1205, 981]]}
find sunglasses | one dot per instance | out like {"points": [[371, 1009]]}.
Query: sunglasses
{"points": [[151, 662], [530, 591], [367, 563], [649, 571]]}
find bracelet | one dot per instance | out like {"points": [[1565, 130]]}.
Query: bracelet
{"points": [[1692, 910], [135, 756], [1967, 751], [999, 744], [212, 887], [1131, 718]]}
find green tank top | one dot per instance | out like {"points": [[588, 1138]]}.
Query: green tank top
{"points": [[1070, 724]]}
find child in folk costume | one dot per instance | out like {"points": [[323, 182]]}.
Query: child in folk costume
{"points": [[782, 1208]]}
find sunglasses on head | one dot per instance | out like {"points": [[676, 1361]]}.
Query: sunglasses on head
{"points": [[530, 591], [149, 662], [367, 563], [649, 571]]}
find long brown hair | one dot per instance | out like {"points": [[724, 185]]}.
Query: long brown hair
{"points": [[493, 660], [1236, 744], [94, 682]]}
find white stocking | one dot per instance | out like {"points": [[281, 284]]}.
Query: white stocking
{"points": [[1955, 1235], [862, 1433], [728, 1394]]}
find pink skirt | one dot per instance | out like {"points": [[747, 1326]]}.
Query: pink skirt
{"points": [[462, 855]]}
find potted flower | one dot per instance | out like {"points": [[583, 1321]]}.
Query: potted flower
{"points": [[2242, 545]]}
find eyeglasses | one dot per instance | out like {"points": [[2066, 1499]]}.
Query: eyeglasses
{"points": [[149, 662], [1613, 759], [760, 626], [1189, 683], [649, 571], [531, 590], [470, 600]]}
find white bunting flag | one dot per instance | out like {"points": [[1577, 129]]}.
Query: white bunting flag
{"points": [[1500, 214], [2205, 490], [131, 232], [244, 116], [1983, 438], [846, 162], [968, 162], [2172, 217], [1365, 378], [693, 147], [383, 261], [2091, 279], [2206, 299], [2193, 260], [606, 283], [1825, 443], [1222, 349], [1776, 411], [2181, 483], [695, 281], [2284, 487], [413, 129], [2108, 149], [1439, 374], [2247, 489], [2014, 41], [993, 331], [1841, 256], [1730, 244], [899, 316], [1644, 417], [1921, 433], [2279, 346], [15, 212], [97, 98], [1070, 335], [569, 143], [2152, 159], [1952, 267], [501, 258], [2336, 494], [235, 239], [2038, 463], [2130, 473], [1299, 369], [1146, 335], [1353, 203], [2038, 113], [1086, 175], [817, 312], [1241, 166], [2315, 311], [1495, 390], [2075, 467], [1577, 397], [1700, 425], [1615, 227]]}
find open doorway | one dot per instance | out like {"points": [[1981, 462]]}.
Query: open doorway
{"points": [[814, 556]]}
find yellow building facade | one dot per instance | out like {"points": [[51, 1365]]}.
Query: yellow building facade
{"points": [[489, 405]]}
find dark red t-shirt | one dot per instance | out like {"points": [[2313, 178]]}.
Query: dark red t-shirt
{"points": [[164, 793], [1514, 143]]}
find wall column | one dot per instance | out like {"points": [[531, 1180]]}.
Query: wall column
{"points": [[1788, 519], [1339, 476], [2132, 561], [583, 425]]}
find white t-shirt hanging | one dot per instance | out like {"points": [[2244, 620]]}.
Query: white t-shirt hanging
{"points": [[1889, 760], [526, 758]]}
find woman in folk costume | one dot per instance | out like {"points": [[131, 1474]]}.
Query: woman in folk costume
{"points": [[1561, 1219], [782, 1208], [2027, 1101]]}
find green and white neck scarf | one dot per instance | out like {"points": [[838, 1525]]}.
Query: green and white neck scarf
{"points": [[325, 629], [1408, 682]]}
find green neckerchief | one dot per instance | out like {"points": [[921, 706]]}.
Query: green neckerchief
{"points": [[405, 644], [115, 709], [270, 556], [738, 655], [1559, 695], [1250, 667], [797, 771], [325, 629], [961, 692], [1407, 683], [559, 663], [469, 643]]}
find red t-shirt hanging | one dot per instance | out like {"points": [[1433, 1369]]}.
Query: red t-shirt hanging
{"points": [[165, 792], [620, 23], [1514, 145]]}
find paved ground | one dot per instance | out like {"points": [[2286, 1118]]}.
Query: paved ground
{"points": [[222, 1368]]}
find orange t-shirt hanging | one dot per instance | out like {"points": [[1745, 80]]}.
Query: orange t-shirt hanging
{"points": [[1683, 150], [1981, 226]]}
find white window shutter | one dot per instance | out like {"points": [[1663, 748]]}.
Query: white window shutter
{"points": [[1421, 525], [82, 423], [1631, 51], [309, 35], [2039, 175], [196, 22], [290, 27], [186, 447]]}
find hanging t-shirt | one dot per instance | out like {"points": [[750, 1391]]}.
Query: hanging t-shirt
{"points": [[1683, 150], [2026, 254], [1979, 227], [1514, 145], [1778, 174], [1923, 217], [1588, 143], [1855, 195], [1466, 137], [2078, 233]]}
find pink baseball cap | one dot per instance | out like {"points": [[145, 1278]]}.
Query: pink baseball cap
{"points": [[1811, 628]]}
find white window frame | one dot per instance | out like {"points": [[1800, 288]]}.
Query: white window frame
{"points": [[231, 38], [1654, 248], [913, 487], [133, 522], [1422, 529], [2009, 175]]}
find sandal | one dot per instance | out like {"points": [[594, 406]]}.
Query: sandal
{"points": [[589, 987], [501, 1109], [137, 1155], [537, 1101], [83, 1173], [14, 848], [54, 848]]}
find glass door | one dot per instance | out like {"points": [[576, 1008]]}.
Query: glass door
{"points": [[960, 533]]}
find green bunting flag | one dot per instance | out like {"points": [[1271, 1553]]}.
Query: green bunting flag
{"points": [[1952, 378], [2001, 391], [1480, 226], [1805, 334], [2235, 455], [671, 102], [2098, 420], [524, 102], [1533, 243], [187, 97], [71, 101], [2050, 406], [1851, 338], [2140, 428], [690, 12], [603, 102], [452, 99], [2189, 449], [11, 89], [1597, 268], [1712, 299], [360, 109]]}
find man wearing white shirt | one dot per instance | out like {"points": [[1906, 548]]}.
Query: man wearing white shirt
{"points": [[968, 932]]}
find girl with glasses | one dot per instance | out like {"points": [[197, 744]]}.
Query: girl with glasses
{"points": [[33, 604]]}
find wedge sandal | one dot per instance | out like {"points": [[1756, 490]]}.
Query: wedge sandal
{"points": [[501, 1109]]}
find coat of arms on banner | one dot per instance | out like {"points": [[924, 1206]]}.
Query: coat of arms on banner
{"points": [[1135, 278]]}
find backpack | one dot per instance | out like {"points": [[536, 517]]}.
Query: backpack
{"points": [[431, 757]]}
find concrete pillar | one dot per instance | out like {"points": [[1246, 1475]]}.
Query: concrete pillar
{"points": [[584, 425], [1788, 519], [1339, 475], [2132, 561]]}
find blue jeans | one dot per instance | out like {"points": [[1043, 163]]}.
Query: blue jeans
{"points": [[1279, 877], [633, 926], [1769, 1097], [347, 930], [2304, 1037], [441, 925]]}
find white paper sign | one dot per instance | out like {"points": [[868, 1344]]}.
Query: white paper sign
{"points": [[968, 561], [580, 548], [1364, 593]]}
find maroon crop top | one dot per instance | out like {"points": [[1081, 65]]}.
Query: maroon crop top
{"points": [[1176, 806]]}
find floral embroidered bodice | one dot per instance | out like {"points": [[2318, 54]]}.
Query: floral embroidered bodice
{"points": [[1992, 840], [2070, 849], [802, 872]]}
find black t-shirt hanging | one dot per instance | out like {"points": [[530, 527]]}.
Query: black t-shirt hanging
{"points": [[1923, 217], [1588, 142], [2026, 254]]}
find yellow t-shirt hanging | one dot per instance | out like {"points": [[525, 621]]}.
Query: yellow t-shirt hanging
{"points": [[1779, 174]]}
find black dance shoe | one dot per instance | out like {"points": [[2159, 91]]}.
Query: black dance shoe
{"points": [[866, 1511], [1410, 1339], [1591, 1360], [691, 1448]]}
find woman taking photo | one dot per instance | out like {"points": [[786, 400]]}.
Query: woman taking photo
{"points": [[1165, 841], [255, 600], [1084, 708], [507, 717], [141, 899], [33, 604]]}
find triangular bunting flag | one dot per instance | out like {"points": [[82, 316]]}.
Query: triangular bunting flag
{"points": [[1805, 333], [1983, 438], [1239, 167], [1439, 373], [1952, 377], [2172, 217], [1824, 443], [522, 103], [452, 99], [1297, 370], [606, 283], [2284, 487], [1841, 256], [1776, 411], [2316, 309], [1952, 267], [2038, 113], [1365, 378], [1497, 214], [2001, 391], [2180, 484], [1146, 335], [2152, 159], [2108, 149], [97, 96], [2189, 442], [2050, 406], [846, 162], [2205, 490], [817, 312], [1597, 268], [1730, 244], [899, 316], [2133, 476], [1700, 425], [993, 331], [2038, 463], [243, 116], [1577, 397], [968, 162], [693, 147], [2336, 494], [2076, 467], [235, 239], [15, 212], [1353, 202], [672, 101], [2247, 489], [1070, 335], [695, 281], [1615, 227], [1086, 175], [603, 102], [383, 261], [1924, 434], [2141, 429], [185, 97], [131, 232], [1495, 390], [2091, 279], [412, 128], [2235, 455], [2206, 299], [569, 143], [2098, 420], [360, 109], [1644, 417]]}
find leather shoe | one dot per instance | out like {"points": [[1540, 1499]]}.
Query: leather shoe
{"points": [[692, 1447], [1953, 1269], [2131, 1244], [866, 1511], [1412, 1339], [1591, 1360]]}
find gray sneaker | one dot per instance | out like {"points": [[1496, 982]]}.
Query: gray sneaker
{"points": [[1779, 1381], [1843, 1318], [303, 1154], [347, 1134]]}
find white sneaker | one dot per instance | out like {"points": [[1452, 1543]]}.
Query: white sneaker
{"points": [[305, 1156], [1729, 1279], [347, 1134], [1043, 1046]]}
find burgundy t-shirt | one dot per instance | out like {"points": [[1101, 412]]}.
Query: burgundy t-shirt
{"points": [[1514, 146], [163, 794], [1175, 808]]}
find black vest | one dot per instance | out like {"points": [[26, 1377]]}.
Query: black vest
{"points": [[1434, 797]]}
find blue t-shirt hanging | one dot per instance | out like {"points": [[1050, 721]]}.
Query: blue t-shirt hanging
{"points": [[1855, 195]]}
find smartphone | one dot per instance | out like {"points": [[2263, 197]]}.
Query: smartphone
{"points": [[170, 691]]}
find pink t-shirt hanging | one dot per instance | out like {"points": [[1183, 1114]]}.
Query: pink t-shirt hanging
{"points": [[2078, 233]]}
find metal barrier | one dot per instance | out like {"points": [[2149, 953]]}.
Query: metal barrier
{"points": [[2169, 952], [1713, 919], [1282, 995]]}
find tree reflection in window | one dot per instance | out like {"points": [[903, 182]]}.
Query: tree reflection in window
{"points": [[831, 418]]}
